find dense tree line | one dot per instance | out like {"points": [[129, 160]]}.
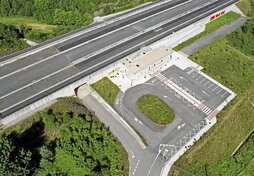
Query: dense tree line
{"points": [[64, 12], [11, 39], [243, 38], [67, 142]]}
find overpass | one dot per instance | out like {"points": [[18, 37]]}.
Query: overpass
{"points": [[33, 74]]}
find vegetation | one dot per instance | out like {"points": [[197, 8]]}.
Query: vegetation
{"points": [[10, 39], [106, 89], [210, 27], [48, 18], [227, 63], [155, 109], [64, 139], [243, 38], [27, 22], [247, 7]]}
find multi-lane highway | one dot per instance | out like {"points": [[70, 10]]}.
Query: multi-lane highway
{"points": [[32, 77]]}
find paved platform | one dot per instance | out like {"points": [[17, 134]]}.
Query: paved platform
{"points": [[199, 44]]}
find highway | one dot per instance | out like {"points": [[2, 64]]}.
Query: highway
{"points": [[30, 78]]}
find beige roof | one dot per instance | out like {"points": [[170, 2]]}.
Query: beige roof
{"points": [[147, 60]]}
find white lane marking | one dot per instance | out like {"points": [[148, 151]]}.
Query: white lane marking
{"points": [[202, 80], [196, 73], [138, 121], [211, 85], [180, 126], [100, 63], [215, 88], [166, 97], [88, 30], [135, 167], [132, 155], [223, 94], [219, 91], [198, 77], [35, 81], [203, 108], [183, 78], [205, 93], [207, 110], [103, 49], [165, 152], [207, 82], [153, 164]]}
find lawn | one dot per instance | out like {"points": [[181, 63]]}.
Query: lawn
{"points": [[211, 155], [156, 110], [210, 27], [106, 89], [28, 22]]}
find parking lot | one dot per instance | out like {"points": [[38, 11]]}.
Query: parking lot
{"points": [[190, 93]]}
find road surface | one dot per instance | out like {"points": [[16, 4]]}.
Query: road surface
{"points": [[36, 76]]}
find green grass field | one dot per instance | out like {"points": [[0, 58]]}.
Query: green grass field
{"points": [[28, 22], [210, 27], [106, 89], [247, 7], [155, 109], [211, 155]]}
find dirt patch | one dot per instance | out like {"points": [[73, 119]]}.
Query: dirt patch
{"points": [[43, 27]]}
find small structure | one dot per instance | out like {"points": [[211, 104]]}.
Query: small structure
{"points": [[148, 62]]}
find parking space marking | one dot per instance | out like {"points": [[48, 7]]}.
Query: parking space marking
{"points": [[202, 80], [215, 88], [211, 85], [193, 75], [198, 77], [224, 94], [207, 82], [219, 91]]}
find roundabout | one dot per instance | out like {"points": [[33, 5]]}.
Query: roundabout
{"points": [[155, 109]]}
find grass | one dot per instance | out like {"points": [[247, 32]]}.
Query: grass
{"points": [[155, 109], [210, 27], [213, 152], [249, 169], [28, 22], [246, 7], [106, 89]]}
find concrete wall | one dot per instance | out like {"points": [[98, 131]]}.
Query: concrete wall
{"points": [[48, 100]]}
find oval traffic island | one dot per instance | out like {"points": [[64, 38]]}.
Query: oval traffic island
{"points": [[156, 109]]}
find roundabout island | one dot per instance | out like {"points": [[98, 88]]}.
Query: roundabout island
{"points": [[156, 109]]}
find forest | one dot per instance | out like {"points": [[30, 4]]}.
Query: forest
{"points": [[64, 139], [61, 15], [66, 15], [10, 39]]}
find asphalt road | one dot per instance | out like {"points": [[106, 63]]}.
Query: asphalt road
{"points": [[165, 141], [204, 41], [46, 69]]}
